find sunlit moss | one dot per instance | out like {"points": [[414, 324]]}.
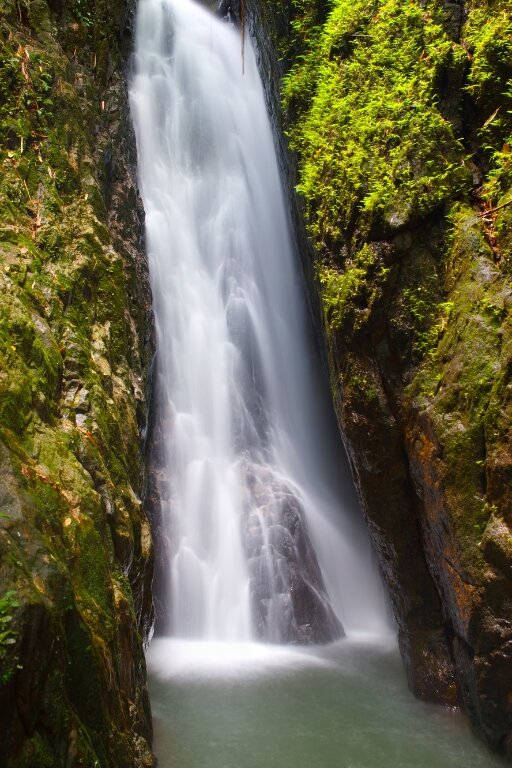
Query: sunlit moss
{"points": [[348, 295], [374, 147]]}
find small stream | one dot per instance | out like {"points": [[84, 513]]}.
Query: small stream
{"points": [[340, 706]]}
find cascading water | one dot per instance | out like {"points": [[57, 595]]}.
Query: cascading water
{"points": [[257, 510], [253, 487]]}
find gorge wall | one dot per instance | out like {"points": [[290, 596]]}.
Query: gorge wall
{"points": [[398, 116], [75, 347], [399, 120]]}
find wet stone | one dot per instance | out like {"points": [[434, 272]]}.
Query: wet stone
{"points": [[288, 597]]}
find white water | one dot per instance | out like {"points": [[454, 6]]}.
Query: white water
{"points": [[247, 432]]}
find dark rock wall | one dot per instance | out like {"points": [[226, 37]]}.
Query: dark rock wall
{"points": [[399, 121], [75, 345]]}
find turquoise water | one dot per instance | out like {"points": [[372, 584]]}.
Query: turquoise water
{"points": [[344, 706]]}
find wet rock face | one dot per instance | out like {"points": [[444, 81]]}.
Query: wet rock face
{"points": [[288, 597], [229, 10], [415, 287], [158, 502], [75, 344], [289, 602]]}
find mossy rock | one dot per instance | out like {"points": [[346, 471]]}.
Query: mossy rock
{"points": [[73, 354]]}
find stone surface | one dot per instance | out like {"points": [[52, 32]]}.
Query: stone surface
{"points": [[289, 601]]}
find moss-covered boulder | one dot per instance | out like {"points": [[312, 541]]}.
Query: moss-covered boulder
{"points": [[398, 116], [75, 342]]}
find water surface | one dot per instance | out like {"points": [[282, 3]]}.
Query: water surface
{"points": [[342, 706]]}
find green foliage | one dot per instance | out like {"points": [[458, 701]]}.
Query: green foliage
{"points": [[488, 37], [360, 385], [428, 319], [8, 635], [349, 295], [83, 10], [374, 146]]}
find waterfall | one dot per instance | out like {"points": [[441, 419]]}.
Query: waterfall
{"points": [[262, 539]]}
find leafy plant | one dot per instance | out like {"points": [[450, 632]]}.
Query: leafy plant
{"points": [[488, 37], [8, 635], [83, 11], [349, 295]]}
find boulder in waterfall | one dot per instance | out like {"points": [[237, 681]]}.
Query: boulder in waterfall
{"points": [[288, 597]]}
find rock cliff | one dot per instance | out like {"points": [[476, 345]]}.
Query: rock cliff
{"points": [[75, 344], [398, 117]]}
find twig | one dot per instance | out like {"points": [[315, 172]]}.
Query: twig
{"points": [[494, 210]]}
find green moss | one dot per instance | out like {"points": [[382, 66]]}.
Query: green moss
{"points": [[488, 37], [67, 407], [92, 576], [425, 316], [360, 385], [457, 384], [349, 295], [373, 144]]}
